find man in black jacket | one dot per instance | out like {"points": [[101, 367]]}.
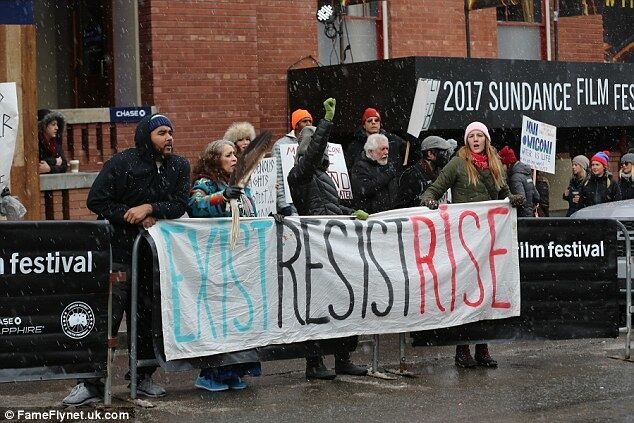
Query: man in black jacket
{"points": [[372, 176], [314, 193], [134, 189]]}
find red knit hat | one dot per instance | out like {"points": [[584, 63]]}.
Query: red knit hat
{"points": [[602, 157], [368, 113], [507, 156]]}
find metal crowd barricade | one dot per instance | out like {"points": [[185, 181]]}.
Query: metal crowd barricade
{"points": [[628, 289]]}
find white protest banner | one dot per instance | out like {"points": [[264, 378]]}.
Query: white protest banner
{"points": [[337, 169], [8, 129], [262, 184], [319, 278], [423, 106], [539, 145]]}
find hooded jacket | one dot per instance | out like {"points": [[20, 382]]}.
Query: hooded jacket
{"points": [[627, 186], [45, 117], [312, 189], [521, 182], [598, 190], [132, 178]]}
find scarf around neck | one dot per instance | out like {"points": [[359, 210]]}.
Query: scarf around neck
{"points": [[480, 161]]}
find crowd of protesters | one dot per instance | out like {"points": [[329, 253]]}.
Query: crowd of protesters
{"points": [[148, 182]]}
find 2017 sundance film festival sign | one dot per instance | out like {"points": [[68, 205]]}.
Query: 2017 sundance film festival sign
{"points": [[8, 130], [320, 278]]}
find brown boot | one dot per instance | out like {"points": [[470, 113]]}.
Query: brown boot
{"points": [[463, 357], [482, 356]]}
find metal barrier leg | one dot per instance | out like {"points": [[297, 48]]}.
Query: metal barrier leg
{"points": [[628, 289], [375, 362], [403, 368], [134, 293], [107, 394]]}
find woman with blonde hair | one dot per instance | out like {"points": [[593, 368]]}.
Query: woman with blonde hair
{"points": [[240, 134], [474, 174], [580, 165]]}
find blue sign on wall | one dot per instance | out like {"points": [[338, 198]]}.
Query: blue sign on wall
{"points": [[129, 114], [16, 12]]}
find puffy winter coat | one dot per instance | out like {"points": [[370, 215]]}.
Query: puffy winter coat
{"points": [[627, 187], [454, 175], [598, 190], [50, 157], [207, 200], [521, 182], [132, 178], [412, 183], [575, 185], [372, 185], [312, 189]]}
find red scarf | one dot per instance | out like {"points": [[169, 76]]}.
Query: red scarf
{"points": [[50, 145], [480, 161]]}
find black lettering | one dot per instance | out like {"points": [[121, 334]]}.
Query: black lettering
{"points": [[309, 266], [388, 283], [358, 228], [335, 266], [289, 265], [399, 231]]}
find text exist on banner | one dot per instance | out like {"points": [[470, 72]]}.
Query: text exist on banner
{"points": [[328, 277]]}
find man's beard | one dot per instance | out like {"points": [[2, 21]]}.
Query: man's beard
{"points": [[382, 162]]}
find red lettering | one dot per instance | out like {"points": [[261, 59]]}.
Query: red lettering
{"points": [[495, 252], [452, 260], [428, 259], [475, 217]]}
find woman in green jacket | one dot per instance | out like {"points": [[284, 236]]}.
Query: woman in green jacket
{"points": [[475, 174]]}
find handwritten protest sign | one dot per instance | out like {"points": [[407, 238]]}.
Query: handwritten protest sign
{"points": [[8, 129], [538, 145], [337, 169], [263, 189], [319, 278]]}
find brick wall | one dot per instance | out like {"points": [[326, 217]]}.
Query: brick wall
{"points": [[581, 39]]}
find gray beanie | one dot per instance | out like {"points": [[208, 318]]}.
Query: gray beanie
{"points": [[434, 141], [627, 158], [304, 139], [582, 161]]}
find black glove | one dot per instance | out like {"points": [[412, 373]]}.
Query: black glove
{"points": [[279, 218], [430, 204], [232, 193], [517, 200], [285, 211]]}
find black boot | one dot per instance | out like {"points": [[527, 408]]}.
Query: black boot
{"points": [[315, 369], [482, 356], [344, 366], [463, 357]]}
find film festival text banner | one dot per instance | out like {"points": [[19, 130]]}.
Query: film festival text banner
{"points": [[319, 278]]}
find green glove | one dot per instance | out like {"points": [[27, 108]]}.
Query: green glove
{"points": [[360, 214], [329, 105]]}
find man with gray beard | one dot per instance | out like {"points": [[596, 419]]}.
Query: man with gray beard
{"points": [[372, 176]]}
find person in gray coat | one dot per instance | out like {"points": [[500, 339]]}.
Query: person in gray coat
{"points": [[520, 181]]}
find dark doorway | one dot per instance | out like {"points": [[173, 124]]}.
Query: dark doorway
{"points": [[92, 58]]}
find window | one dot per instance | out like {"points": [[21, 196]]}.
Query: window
{"points": [[519, 33], [353, 36]]}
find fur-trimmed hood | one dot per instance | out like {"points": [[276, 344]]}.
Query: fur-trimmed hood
{"points": [[46, 116], [238, 131]]}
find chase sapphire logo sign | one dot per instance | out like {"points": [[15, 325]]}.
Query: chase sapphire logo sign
{"points": [[77, 320], [129, 114]]}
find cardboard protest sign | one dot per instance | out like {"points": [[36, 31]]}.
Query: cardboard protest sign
{"points": [[319, 278], [262, 184], [337, 169], [538, 145], [8, 130]]}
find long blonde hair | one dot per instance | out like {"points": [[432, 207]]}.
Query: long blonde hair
{"points": [[495, 165]]}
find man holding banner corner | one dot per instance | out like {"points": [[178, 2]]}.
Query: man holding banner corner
{"points": [[134, 189]]}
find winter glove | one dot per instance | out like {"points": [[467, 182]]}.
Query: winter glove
{"points": [[286, 211], [279, 218], [233, 192], [517, 200], [329, 105], [360, 214], [430, 203]]}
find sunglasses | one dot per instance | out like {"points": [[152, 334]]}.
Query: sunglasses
{"points": [[625, 163], [373, 120]]}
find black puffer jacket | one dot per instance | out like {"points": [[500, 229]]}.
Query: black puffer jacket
{"points": [[132, 178], [412, 183], [372, 185], [521, 182], [354, 149], [312, 189], [600, 190], [627, 186]]}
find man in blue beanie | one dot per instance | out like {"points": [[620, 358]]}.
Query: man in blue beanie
{"points": [[134, 189]]}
